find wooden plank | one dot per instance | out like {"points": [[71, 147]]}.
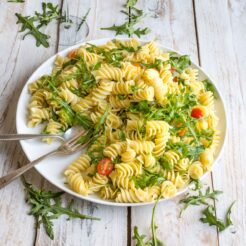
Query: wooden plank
{"points": [[174, 26], [223, 55], [112, 229], [18, 60]]}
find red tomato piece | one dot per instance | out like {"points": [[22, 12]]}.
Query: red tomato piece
{"points": [[175, 79], [105, 167], [196, 113]]}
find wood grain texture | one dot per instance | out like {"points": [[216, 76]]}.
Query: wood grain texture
{"points": [[173, 24], [222, 33], [212, 32]]}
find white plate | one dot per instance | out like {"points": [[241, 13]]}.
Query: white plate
{"points": [[52, 168]]}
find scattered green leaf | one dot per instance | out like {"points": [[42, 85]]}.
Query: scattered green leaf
{"points": [[211, 219], [200, 198], [153, 241], [46, 206]]}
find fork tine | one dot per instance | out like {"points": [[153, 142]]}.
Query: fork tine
{"points": [[75, 138]]}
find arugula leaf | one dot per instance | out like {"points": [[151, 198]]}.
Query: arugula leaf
{"points": [[28, 24], [157, 63], [166, 164], [200, 198], [46, 206], [83, 19], [139, 238], [50, 12], [210, 87], [131, 3], [211, 219], [153, 241], [134, 16], [228, 215], [148, 179], [179, 62]]}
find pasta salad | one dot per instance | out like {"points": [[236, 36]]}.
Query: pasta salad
{"points": [[151, 121]]}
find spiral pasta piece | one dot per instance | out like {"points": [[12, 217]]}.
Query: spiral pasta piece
{"points": [[102, 91], [77, 183], [79, 165], [109, 72], [128, 156], [131, 195], [114, 149], [160, 143], [144, 94], [37, 115], [168, 189], [123, 87], [97, 182], [141, 147], [195, 170], [155, 127]]}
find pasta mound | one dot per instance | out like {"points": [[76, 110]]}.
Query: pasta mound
{"points": [[160, 128]]}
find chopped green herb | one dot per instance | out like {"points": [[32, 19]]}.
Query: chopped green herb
{"points": [[157, 63], [210, 87], [148, 179], [166, 164], [180, 63], [46, 206]]}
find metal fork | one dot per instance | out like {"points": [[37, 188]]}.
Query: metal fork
{"points": [[66, 148]]}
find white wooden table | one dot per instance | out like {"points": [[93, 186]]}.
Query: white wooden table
{"points": [[214, 34]]}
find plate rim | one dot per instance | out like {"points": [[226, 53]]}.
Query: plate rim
{"points": [[108, 202]]}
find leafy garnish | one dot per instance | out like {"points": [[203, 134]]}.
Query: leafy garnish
{"points": [[211, 219], [166, 164], [49, 12], [83, 19], [148, 179], [153, 241], [210, 87], [200, 198], [46, 206], [134, 16], [131, 3], [28, 24], [179, 62], [156, 64]]}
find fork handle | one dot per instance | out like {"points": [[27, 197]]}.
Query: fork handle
{"points": [[18, 172], [7, 137]]}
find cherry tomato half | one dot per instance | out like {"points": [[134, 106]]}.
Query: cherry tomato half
{"points": [[196, 113], [105, 167]]}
